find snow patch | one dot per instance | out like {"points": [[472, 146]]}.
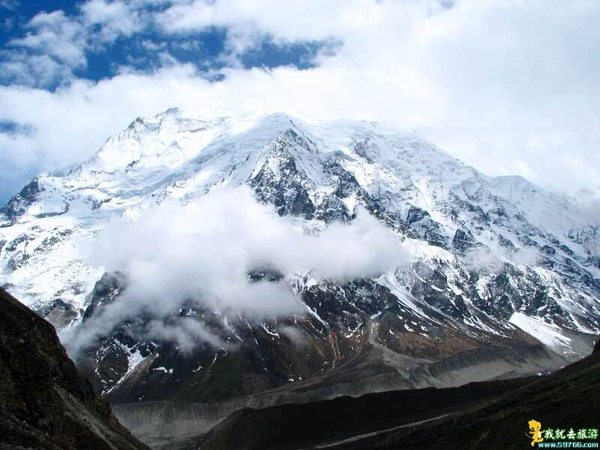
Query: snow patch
{"points": [[549, 335]]}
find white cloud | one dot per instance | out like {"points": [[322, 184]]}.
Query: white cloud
{"points": [[206, 250], [115, 18], [25, 69], [295, 20], [54, 34], [505, 85], [55, 45], [494, 259], [10, 5], [184, 332]]}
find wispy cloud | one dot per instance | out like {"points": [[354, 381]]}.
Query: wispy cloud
{"points": [[205, 250], [10, 5], [54, 48], [494, 260]]}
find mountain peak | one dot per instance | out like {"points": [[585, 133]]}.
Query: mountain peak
{"points": [[465, 227]]}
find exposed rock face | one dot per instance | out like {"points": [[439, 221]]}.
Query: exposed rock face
{"points": [[44, 402]]}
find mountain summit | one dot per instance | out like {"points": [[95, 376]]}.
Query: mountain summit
{"points": [[504, 277]]}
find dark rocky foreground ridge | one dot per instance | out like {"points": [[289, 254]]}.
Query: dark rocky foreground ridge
{"points": [[44, 402], [490, 415]]}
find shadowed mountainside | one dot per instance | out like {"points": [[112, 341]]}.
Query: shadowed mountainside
{"points": [[44, 402], [478, 415]]}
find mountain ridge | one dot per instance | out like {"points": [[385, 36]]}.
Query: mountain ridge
{"points": [[44, 402], [504, 278]]}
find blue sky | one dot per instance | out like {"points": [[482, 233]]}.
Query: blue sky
{"points": [[146, 48], [507, 86], [33, 32]]}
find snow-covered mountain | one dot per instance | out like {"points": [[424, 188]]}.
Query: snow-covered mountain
{"points": [[500, 266]]}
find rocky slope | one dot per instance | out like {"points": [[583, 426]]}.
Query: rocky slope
{"points": [[503, 280], [44, 402], [480, 415]]}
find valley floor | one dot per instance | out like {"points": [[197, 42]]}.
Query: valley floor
{"points": [[487, 415], [490, 414]]}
